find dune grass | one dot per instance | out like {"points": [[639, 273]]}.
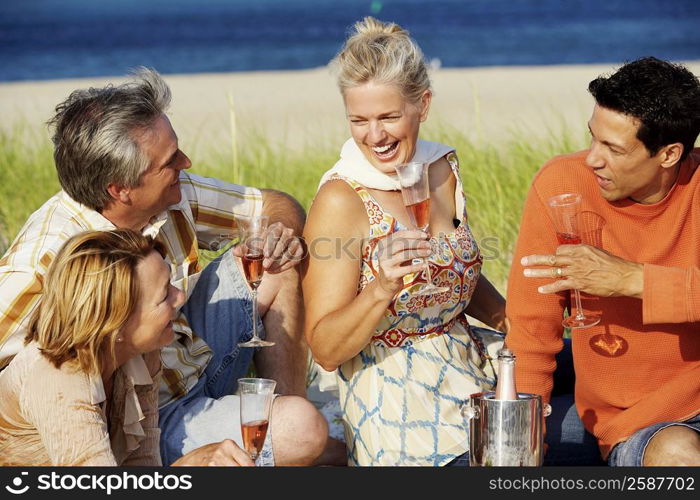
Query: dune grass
{"points": [[27, 178], [496, 177]]}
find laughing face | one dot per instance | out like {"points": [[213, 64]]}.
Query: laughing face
{"points": [[150, 325], [384, 124]]}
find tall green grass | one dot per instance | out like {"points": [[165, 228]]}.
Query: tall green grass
{"points": [[496, 177], [27, 178]]}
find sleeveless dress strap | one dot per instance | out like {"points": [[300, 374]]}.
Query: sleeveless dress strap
{"points": [[380, 222]]}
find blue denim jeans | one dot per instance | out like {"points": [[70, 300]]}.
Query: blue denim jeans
{"points": [[219, 311], [630, 453], [568, 442]]}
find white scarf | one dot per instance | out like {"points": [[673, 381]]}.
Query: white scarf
{"points": [[353, 165]]}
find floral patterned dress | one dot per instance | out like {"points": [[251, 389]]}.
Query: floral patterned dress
{"points": [[401, 395]]}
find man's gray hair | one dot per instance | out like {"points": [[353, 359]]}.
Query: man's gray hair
{"points": [[95, 136]]}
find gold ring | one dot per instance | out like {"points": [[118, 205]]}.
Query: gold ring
{"points": [[560, 273]]}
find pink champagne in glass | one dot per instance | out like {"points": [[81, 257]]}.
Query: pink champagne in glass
{"points": [[568, 239], [420, 213], [254, 436], [256, 395], [564, 209], [254, 230], [253, 268], [415, 190]]}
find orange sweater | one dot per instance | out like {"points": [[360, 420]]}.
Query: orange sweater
{"points": [[641, 364]]}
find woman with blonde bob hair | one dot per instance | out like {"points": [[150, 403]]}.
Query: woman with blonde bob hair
{"points": [[404, 362], [84, 390]]}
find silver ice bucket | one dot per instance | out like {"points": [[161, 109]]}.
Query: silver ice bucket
{"points": [[505, 433]]}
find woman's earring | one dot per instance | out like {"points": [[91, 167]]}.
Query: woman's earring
{"points": [[120, 339]]}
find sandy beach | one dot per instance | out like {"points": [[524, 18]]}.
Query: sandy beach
{"points": [[294, 108]]}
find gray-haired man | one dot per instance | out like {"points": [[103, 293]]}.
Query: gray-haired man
{"points": [[119, 164]]}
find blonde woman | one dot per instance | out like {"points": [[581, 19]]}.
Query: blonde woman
{"points": [[405, 363], [84, 390]]}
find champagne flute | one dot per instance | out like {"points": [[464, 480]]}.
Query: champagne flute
{"points": [[253, 244], [256, 396], [413, 177], [564, 209]]}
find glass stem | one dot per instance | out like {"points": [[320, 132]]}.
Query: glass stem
{"points": [[577, 304], [254, 294], [428, 276]]}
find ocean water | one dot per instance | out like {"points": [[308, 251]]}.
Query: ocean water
{"points": [[45, 39]]}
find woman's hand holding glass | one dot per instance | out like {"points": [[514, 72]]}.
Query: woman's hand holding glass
{"points": [[415, 190], [396, 255]]}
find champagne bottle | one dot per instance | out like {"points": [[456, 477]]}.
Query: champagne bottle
{"points": [[505, 387]]}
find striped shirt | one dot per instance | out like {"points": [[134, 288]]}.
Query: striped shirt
{"points": [[203, 219]]}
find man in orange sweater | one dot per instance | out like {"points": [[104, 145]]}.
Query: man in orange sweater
{"points": [[638, 370]]}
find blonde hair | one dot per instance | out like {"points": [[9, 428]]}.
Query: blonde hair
{"points": [[89, 292], [382, 53]]}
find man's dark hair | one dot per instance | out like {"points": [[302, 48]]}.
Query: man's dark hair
{"points": [[663, 96]]}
